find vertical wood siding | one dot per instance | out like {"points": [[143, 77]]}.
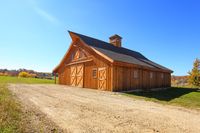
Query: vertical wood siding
{"points": [[124, 80]]}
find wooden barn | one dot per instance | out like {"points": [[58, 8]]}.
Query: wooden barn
{"points": [[92, 63]]}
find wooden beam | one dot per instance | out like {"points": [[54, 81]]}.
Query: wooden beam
{"points": [[78, 62], [55, 77]]}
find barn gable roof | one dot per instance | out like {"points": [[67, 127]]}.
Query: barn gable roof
{"points": [[119, 53]]}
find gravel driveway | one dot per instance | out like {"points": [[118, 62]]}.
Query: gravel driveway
{"points": [[86, 110]]}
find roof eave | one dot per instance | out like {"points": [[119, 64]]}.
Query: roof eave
{"points": [[115, 62]]}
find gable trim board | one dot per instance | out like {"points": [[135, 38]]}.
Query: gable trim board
{"points": [[103, 54]]}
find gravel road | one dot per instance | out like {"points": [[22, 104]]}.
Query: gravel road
{"points": [[86, 110]]}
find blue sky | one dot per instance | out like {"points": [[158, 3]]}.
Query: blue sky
{"points": [[33, 33]]}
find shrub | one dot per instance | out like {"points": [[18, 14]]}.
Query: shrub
{"points": [[24, 74]]}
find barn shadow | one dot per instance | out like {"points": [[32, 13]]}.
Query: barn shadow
{"points": [[165, 95]]}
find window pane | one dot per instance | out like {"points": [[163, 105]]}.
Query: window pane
{"points": [[94, 73]]}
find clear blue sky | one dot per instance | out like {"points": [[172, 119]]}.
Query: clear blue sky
{"points": [[33, 33]]}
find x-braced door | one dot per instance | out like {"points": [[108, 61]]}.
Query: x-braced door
{"points": [[76, 76], [79, 75], [102, 76]]}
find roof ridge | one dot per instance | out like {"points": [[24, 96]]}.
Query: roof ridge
{"points": [[110, 45], [90, 37]]}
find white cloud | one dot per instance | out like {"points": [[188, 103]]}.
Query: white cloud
{"points": [[44, 14]]}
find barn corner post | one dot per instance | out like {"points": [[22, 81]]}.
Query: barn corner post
{"points": [[54, 78]]}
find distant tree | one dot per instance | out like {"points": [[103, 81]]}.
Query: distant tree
{"points": [[194, 75], [24, 74]]}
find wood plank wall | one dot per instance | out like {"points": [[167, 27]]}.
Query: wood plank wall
{"points": [[123, 77], [124, 80], [89, 81]]}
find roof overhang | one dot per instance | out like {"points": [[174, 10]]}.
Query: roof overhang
{"points": [[125, 64]]}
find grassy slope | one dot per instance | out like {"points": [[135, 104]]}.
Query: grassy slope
{"points": [[10, 109], [186, 97]]}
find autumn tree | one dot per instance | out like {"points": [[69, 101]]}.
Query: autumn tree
{"points": [[23, 74], [194, 74]]}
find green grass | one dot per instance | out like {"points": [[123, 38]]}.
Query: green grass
{"points": [[186, 97], [10, 109], [8, 79]]}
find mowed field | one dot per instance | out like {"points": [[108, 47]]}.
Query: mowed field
{"points": [[19, 116], [8, 79]]}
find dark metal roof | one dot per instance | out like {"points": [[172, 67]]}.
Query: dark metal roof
{"points": [[119, 53]]}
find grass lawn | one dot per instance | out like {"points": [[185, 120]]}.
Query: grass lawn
{"points": [[10, 109], [8, 79], [186, 97]]}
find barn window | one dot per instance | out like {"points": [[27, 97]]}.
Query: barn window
{"points": [[135, 74], [162, 75], [151, 75], [94, 72]]}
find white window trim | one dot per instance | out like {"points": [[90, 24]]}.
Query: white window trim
{"points": [[94, 76]]}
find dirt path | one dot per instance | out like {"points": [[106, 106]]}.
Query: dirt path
{"points": [[85, 110]]}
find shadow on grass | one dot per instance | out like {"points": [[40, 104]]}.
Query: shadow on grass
{"points": [[165, 95]]}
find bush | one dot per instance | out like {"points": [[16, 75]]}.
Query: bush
{"points": [[24, 74]]}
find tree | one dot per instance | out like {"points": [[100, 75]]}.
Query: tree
{"points": [[194, 75]]}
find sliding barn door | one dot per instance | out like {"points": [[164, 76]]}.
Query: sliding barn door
{"points": [[76, 75], [102, 76]]}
